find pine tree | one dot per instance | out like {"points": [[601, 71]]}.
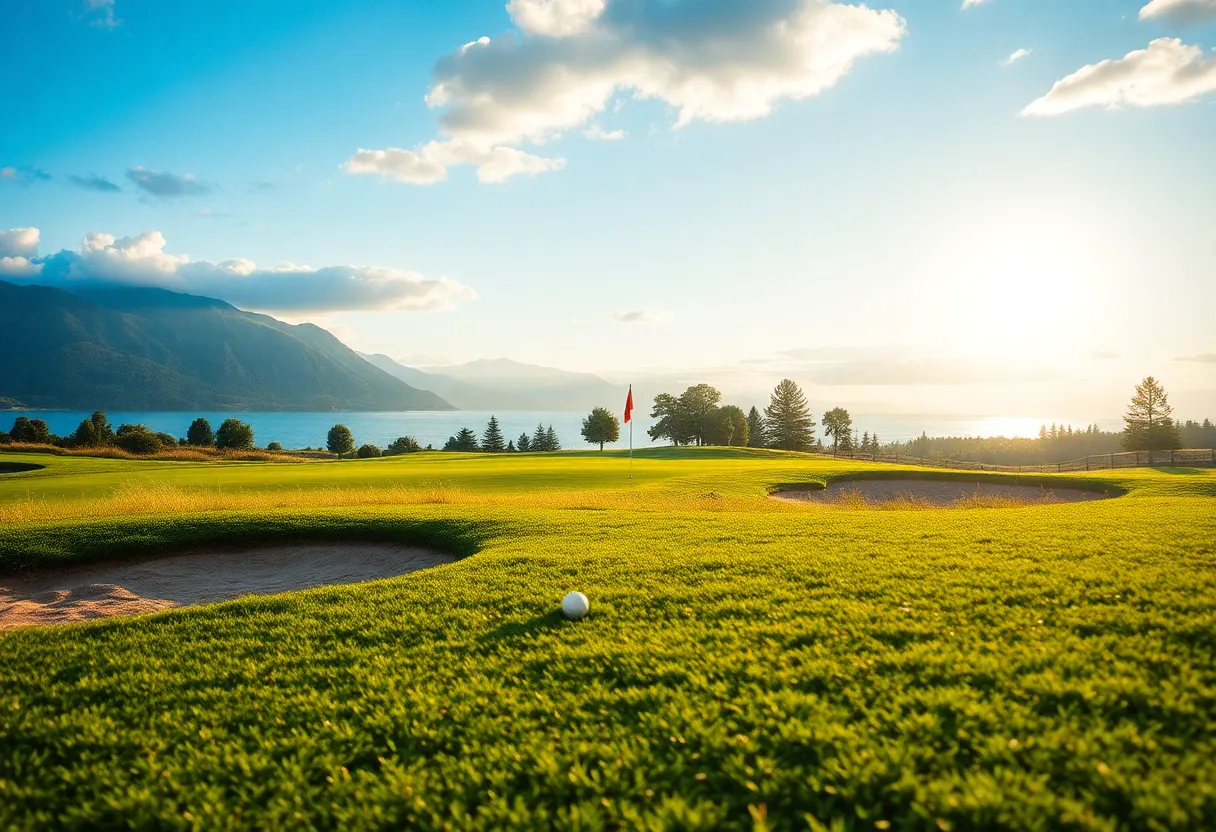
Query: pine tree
{"points": [[510, 447], [1149, 426], [523, 443], [464, 440], [756, 429], [551, 443], [865, 442], [491, 440], [540, 439], [790, 426]]}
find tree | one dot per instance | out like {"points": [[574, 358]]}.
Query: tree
{"points": [[137, 439], [698, 405], [402, 445], [234, 435], [94, 432], [523, 443], [510, 446], [601, 426], [464, 440], [726, 426], [838, 424], [670, 420], [1149, 426], [166, 440], [756, 429], [274, 446], [200, 434], [540, 440], [491, 440], [368, 452], [32, 431], [551, 441], [340, 440], [790, 426]]}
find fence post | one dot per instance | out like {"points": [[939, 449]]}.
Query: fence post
{"points": [[1087, 463]]}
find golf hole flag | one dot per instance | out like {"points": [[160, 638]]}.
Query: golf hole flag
{"points": [[629, 405], [629, 421]]}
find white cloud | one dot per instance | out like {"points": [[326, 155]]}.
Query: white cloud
{"points": [[712, 62], [639, 316], [18, 267], [142, 260], [1016, 56], [19, 242], [599, 134], [1167, 72], [1182, 11], [164, 184], [968, 4]]}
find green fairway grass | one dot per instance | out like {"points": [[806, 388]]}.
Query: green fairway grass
{"points": [[747, 664]]}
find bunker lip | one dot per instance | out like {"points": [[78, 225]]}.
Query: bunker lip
{"points": [[199, 576], [878, 492], [19, 467]]}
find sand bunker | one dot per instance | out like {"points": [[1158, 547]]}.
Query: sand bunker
{"points": [[97, 590], [912, 493]]}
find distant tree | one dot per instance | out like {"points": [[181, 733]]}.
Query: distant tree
{"points": [[740, 430], [234, 435], [340, 440], [6, 438], [670, 420], [839, 425], [491, 440], [865, 442], [464, 440], [756, 429], [510, 446], [1148, 423], [790, 426], [32, 431], [551, 441], [875, 447], [274, 446], [166, 440], [93, 432], [137, 439], [698, 406], [368, 452], [402, 445], [523, 443], [601, 426], [200, 434], [540, 440]]}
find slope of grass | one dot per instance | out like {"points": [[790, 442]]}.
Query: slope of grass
{"points": [[747, 663]]}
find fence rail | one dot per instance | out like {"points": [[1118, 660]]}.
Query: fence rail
{"points": [[1094, 462]]}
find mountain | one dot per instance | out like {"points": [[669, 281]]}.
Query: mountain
{"points": [[502, 384], [138, 348]]}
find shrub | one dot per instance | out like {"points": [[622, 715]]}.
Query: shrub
{"points": [[167, 440], [31, 431], [402, 445], [5, 439], [93, 432], [368, 452], [200, 433], [137, 439], [234, 435], [274, 446], [340, 440]]}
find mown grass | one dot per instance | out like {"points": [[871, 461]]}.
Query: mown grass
{"points": [[747, 663]]}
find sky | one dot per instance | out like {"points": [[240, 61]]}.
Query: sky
{"points": [[996, 207]]}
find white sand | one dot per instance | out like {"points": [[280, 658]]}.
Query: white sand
{"points": [[201, 576]]}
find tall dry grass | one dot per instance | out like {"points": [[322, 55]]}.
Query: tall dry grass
{"points": [[178, 454]]}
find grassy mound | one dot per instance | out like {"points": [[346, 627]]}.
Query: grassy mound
{"points": [[746, 664]]}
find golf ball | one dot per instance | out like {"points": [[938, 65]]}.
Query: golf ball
{"points": [[575, 605]]}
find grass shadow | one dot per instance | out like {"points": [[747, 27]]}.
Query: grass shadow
{"points": [[1181, 472], [528, 629]]}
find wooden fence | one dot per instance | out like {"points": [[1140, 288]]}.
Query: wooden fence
{"points": [[1096, 462]]}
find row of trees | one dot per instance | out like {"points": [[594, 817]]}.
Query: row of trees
{"points": [[695, 417], [491, 441], [97, 432]]}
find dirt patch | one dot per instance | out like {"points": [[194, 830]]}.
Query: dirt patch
{"points": [[911, 493], [97, 590]]}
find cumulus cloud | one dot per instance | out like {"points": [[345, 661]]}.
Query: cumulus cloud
{"points": [[712, 62], [1167, 72], [639, 316], [24, 175], [599, 134], [167, 185], [1180, 11], [19, 242], [1016, 56], [93, 182], [142, 260]]}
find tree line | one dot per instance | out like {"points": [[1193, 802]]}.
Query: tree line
{"points": [[696, 417], [97, 432]]}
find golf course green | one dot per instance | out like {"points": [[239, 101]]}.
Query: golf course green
{"points": [[748, 663]]}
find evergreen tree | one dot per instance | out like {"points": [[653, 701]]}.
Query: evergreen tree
{"points": [[510, 446], [523, 443], [340, 440], [601, 426], [491, 440], [756, 429], [551, 441], [402, 445], [838, 424], [874, 446], [790, 426], [464, 440], [540, 439], [1149, 425], [865, 442], [200, 434]]}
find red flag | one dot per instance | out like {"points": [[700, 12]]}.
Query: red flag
{"points": [[629, 405]]}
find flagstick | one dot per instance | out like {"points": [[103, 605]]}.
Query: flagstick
{"points": [[630, 449]]}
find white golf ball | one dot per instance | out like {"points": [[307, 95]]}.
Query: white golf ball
{"points": [[575, 605]]}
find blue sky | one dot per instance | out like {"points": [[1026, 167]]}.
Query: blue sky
{"points": [[883, 226]]}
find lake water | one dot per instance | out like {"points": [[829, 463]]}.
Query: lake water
{"points": [[300, 430]]}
